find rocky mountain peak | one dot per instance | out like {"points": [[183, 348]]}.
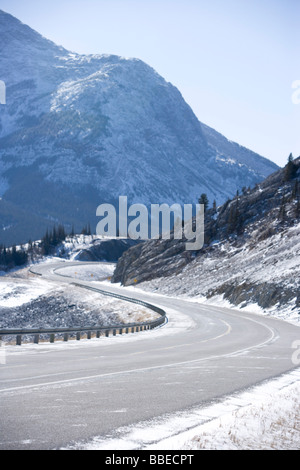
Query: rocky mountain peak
{"points": [[80, 130]]}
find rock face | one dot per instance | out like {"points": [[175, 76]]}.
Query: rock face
{"points": [[150, 260], [251, 252], [105, 250], [78, 131]]}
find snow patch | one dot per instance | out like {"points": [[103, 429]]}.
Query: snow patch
{"points": [[14, 293]]}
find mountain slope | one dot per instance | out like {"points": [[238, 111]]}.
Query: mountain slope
{"points": [[78, 131], [250, 259]]}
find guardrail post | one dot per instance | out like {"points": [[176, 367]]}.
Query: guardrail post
{"points": [[78, 336], [36, 339], [120, 331], [19, 340], [107, 333], [89, 335], [52, 338], [127, 331], [114, 332], [66, 337], [98, 334]]}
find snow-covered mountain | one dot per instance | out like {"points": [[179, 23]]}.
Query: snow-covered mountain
{"points": [[77, 131]]}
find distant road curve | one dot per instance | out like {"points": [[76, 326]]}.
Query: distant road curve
{"points": [[54, 395]]}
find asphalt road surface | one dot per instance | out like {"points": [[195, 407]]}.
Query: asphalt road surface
{"points": [[55, 395]]}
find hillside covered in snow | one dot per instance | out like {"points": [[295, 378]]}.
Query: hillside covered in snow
{"points": [[251, 257]]}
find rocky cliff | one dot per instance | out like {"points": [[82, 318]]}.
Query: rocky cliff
{"points": [[251, 252]]}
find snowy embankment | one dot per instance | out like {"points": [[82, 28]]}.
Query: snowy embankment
{"points": [[30, 302], [266, 417], [247, 275]]}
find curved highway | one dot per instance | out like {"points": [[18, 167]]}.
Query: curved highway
{"points": [[55, 395]]}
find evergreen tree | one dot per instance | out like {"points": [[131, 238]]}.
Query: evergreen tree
{"points": [[290, 168], [295, 191], [297, 211], [234, 224], [46, 244], [282, 210], [214, 207], [61, 234], [54, 239], [203, 200]]}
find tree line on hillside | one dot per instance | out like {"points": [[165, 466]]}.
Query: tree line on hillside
{"points": [[12, 257], [19, 256], [55, 237], [235, 219]]}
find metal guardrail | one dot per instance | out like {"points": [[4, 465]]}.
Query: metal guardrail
{"points": [[89, 330]]}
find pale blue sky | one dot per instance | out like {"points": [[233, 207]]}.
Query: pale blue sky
{"points": [[234, 61]]}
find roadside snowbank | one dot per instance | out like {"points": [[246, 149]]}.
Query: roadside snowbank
{"points": [[265, 417], [31, 302], [14, 293]]}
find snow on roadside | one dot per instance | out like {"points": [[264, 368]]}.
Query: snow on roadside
{"points": [[265, 417], [274, 423], [14, 293]]}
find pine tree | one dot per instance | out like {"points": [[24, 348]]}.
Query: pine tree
{"points": [[282, 210], [204, 200], [297, 211], [295, 191], [54, 239], [234, 224], [46, 244], [61, 234], [290, 168], [231, 225], [214, 207]]}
